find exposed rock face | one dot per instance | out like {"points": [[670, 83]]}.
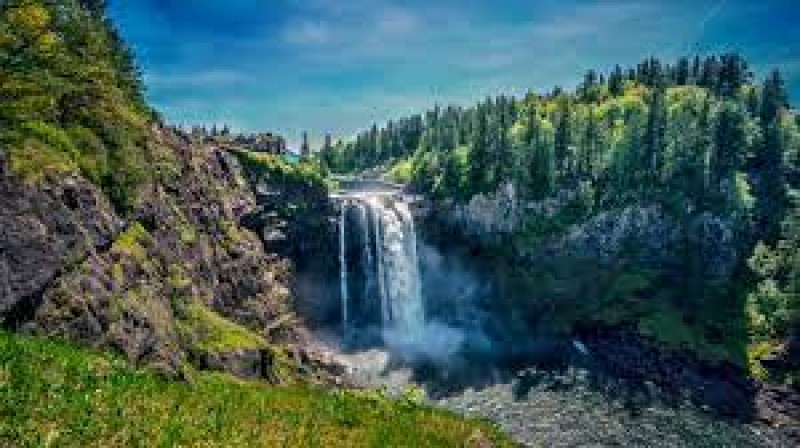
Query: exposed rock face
{"points": [[43, 231], [646, 234], [652, 238], [297, 220], [721, 388], [488, 214], [71, 266]]}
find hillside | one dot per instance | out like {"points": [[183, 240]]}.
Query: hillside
{"points": [[54, 394]]}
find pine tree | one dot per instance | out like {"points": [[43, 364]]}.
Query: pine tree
{"points": [[94, 7], [503, 160], [733, 74], [589, 145], [479, 157], [326, 154], [563, 136], [771, 200], [616, 82], [696, 67], [587, 91], [682, 72], [656, 129], [730, 145], [709, 77], [703, 147], [305, 149]]}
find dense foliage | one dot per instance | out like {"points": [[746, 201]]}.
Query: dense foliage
{"points": [[698, 136], [71, 97], [52, 394]]}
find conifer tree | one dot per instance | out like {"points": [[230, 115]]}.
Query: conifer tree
{"points": [[656, 128], [305, 149], [563, 136], [616, 82], [480, 158], [771, 201], [730, 145]]}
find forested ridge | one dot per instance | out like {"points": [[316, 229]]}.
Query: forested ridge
{"points": [[71, 96], [698, 137]]}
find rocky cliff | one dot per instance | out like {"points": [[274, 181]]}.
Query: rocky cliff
{"points": [[559, 226], [179, 279]]}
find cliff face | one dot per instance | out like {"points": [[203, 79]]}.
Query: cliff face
{"points": [[646, 234], [178, 279]]}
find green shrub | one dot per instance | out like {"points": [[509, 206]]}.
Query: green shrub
{"points": [[276, 169], [402, 171]]}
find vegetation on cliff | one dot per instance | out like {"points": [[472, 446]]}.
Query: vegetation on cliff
{"points": [[72, 96]]}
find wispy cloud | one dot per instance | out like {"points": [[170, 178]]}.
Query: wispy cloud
{"points": [[308, 32], [338, 65], [211, 78]]}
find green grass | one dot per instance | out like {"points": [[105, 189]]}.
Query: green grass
{"points": [[52, 394]]}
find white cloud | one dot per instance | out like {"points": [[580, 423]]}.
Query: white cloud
{"points": [[396, 22], [207, 78], [338, 65], [349, 32], [308, 33]]}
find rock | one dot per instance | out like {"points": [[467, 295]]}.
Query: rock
{"points": [[249, 363], [71, 266], [487, 215], [43, 232], [779, 406], [651, 238]]}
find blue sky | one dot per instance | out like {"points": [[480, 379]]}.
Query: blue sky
{"points": [[339, 65]]}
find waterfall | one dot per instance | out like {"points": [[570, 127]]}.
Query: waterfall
{"points": [[387, 258], [366, 249], [343, 264]]}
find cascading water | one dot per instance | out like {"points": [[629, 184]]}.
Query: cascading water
{"points": [[343, 264], [380, 279]]}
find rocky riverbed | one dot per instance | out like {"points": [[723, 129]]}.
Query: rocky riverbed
{"points": [[574, 407], [566, 410]]}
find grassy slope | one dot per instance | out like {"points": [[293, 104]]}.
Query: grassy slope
{"points": [[52, 394]]}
